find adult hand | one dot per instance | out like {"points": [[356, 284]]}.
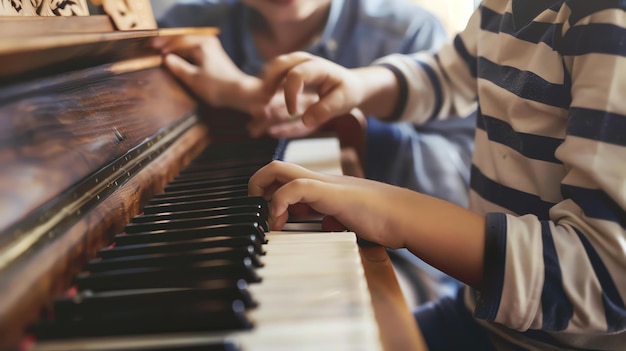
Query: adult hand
{"points": [[201, 63]]}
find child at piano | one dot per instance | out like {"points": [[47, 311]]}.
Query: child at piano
{"points": [[543, 246], [432, 158]]}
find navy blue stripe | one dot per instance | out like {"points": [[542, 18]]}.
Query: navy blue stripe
{"points": [[614, 308], [583, 8], [533, 32], [434, 80], [525, 11], [595, 204], [557, 6], [480, 123], [403, 94], [461, 49], [556, 307], [532, 146], [490, 20], [597, 125], [495, 261], [515, 200], [524, 84], [601, 38]]}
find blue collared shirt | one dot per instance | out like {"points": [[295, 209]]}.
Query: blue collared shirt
{"points": [[356, 33]]}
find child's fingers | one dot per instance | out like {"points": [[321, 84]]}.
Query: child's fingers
{"points": [[275, 71], [276, 173]]}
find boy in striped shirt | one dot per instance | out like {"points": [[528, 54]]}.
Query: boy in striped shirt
{"points": [[543, 249]]}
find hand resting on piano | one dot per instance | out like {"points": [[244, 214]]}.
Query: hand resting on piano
{"points": [[201, 63], [391, 216]]}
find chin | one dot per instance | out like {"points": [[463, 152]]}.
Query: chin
{"points": [[286, 10], [281, 2]]}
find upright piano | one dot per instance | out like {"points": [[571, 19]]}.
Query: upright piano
{"points": [[126, 223]]}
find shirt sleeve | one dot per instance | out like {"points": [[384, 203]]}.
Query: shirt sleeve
{"points": [[196, 13], [440, 85]]}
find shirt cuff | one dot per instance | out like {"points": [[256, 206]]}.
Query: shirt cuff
{"points": [[403, 94], [490, 293]]}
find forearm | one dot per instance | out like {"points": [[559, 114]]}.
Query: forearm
{"points": [[381, 95], [446, 236]]}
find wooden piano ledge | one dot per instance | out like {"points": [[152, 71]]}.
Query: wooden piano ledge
{"points": [[398, 329]]}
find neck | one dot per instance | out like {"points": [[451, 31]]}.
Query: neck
{"points": [[273, 39]]}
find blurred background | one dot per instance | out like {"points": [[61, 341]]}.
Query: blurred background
{"points": [[453, 13]]}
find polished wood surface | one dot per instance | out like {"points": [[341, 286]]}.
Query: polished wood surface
{"points": [[398, 328], [33, 282], [55, 137], [69, 106]]}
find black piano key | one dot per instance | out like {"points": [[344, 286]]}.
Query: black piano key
{"points": [[167, 277], [242, 151], [183, 245], [202, 197], [182, 266], [198, 166], [197, 222], [236, 229], [199, 188], [88, 304], [201, 213], [206, 180], [197, 205], [173, 259], [194, 317], [214, 174]]}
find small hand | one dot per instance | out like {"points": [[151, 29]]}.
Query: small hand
{"points": [[274, 120], [358, 204], [339, 89]]}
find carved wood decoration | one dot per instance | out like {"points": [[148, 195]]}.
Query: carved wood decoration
{"points": [[44, 8], [126, 14], [129, 14]]}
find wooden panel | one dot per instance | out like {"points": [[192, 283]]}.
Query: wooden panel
{"points": [[23, 59], [38, 26], [53, 138], [43, 8], [49, 271]]}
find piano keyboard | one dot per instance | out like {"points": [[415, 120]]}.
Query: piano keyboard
{"points": [[198, 270]]}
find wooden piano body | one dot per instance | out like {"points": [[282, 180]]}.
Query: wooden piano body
{"points": [[91, 128]]}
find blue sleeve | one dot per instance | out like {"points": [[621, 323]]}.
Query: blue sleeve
{"points": [[426, 33]]}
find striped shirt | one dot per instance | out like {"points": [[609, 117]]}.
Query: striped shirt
{"points": [[549, 169]]}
